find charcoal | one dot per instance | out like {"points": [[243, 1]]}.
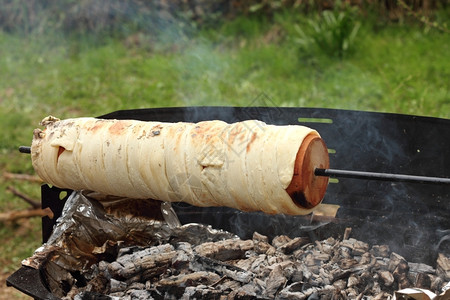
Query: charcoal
{"points": [[375, 289], [200, 293], [357, 247], [353, 281], [137, 294], [286, 268], [394, 260], [243, 295], [228, 285], [224, 250], [352, 293], [280, 240], [258, 264], [401, 275], [146, 263], [297, 273], [275, 281], [345, 252], [245, 264], [347, 263], [437, 283], [380, 250], [293, 245], [250, 289], [190, 279], [117, 296], [422, 281], [421, 268], [327, 245], [117, 286], [213, 264], [292, 292], [311, 292], [262, 247], [239, 276], [443, 267], [285, 295], [260, 238], [386, 277], [327, 292], [272, 260], [102, 266], [366, 258], [381, 263], [340, 284], [92, 296], [310, 260], [347, 232], [183, 257]]}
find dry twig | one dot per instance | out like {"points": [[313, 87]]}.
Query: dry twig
{"points": [[27, 213], [35, 204], [25, 177]]}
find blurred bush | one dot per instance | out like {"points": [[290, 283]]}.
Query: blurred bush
{"points": [[122, 17], [115, 17]]}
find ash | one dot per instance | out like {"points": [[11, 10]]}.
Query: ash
{"points": [[108, 249], [283, 268]]}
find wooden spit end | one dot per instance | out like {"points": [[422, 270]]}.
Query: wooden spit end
{"points": [[306, 189]]}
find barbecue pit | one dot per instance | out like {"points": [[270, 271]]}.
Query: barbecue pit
{"points": [[411, 218]]}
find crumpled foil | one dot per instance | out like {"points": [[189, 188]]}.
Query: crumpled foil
{"points": [[94, 227]]}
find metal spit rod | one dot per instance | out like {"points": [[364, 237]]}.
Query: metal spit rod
{"points": [[380, 176], [24, 149], [354, 174]]}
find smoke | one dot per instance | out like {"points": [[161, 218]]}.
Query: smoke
{"points": [[398, 214], [444, 243]]}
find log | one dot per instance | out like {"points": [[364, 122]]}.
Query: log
{"points": [[222, 268], [293, 245], [191, 279], [143, 264], [225, 250]]}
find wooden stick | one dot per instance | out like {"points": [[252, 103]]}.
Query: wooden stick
{"points": [[25, 177], [35, 204], [27, 213]]}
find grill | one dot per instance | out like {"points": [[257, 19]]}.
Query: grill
{"points": [[411, 218]]}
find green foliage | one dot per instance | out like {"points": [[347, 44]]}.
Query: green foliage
{"points": [[332, 32]]}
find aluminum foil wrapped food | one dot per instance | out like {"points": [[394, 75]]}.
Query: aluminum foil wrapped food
{"points": [[94, 228], [246, 165]]}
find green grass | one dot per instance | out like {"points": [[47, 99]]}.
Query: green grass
{"points": [[397, 69]]}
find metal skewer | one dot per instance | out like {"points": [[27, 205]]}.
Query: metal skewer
{"points": [[24, 149], [380, 176], [354, 174]]}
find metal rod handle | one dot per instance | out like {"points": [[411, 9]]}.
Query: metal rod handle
{"points": [[380, 176], [354, 174], [24, 149]]}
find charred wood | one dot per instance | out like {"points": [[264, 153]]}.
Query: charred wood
{"points": [[285, 268]]}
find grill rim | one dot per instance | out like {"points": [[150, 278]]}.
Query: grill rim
{"points": [[30, 282]]}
